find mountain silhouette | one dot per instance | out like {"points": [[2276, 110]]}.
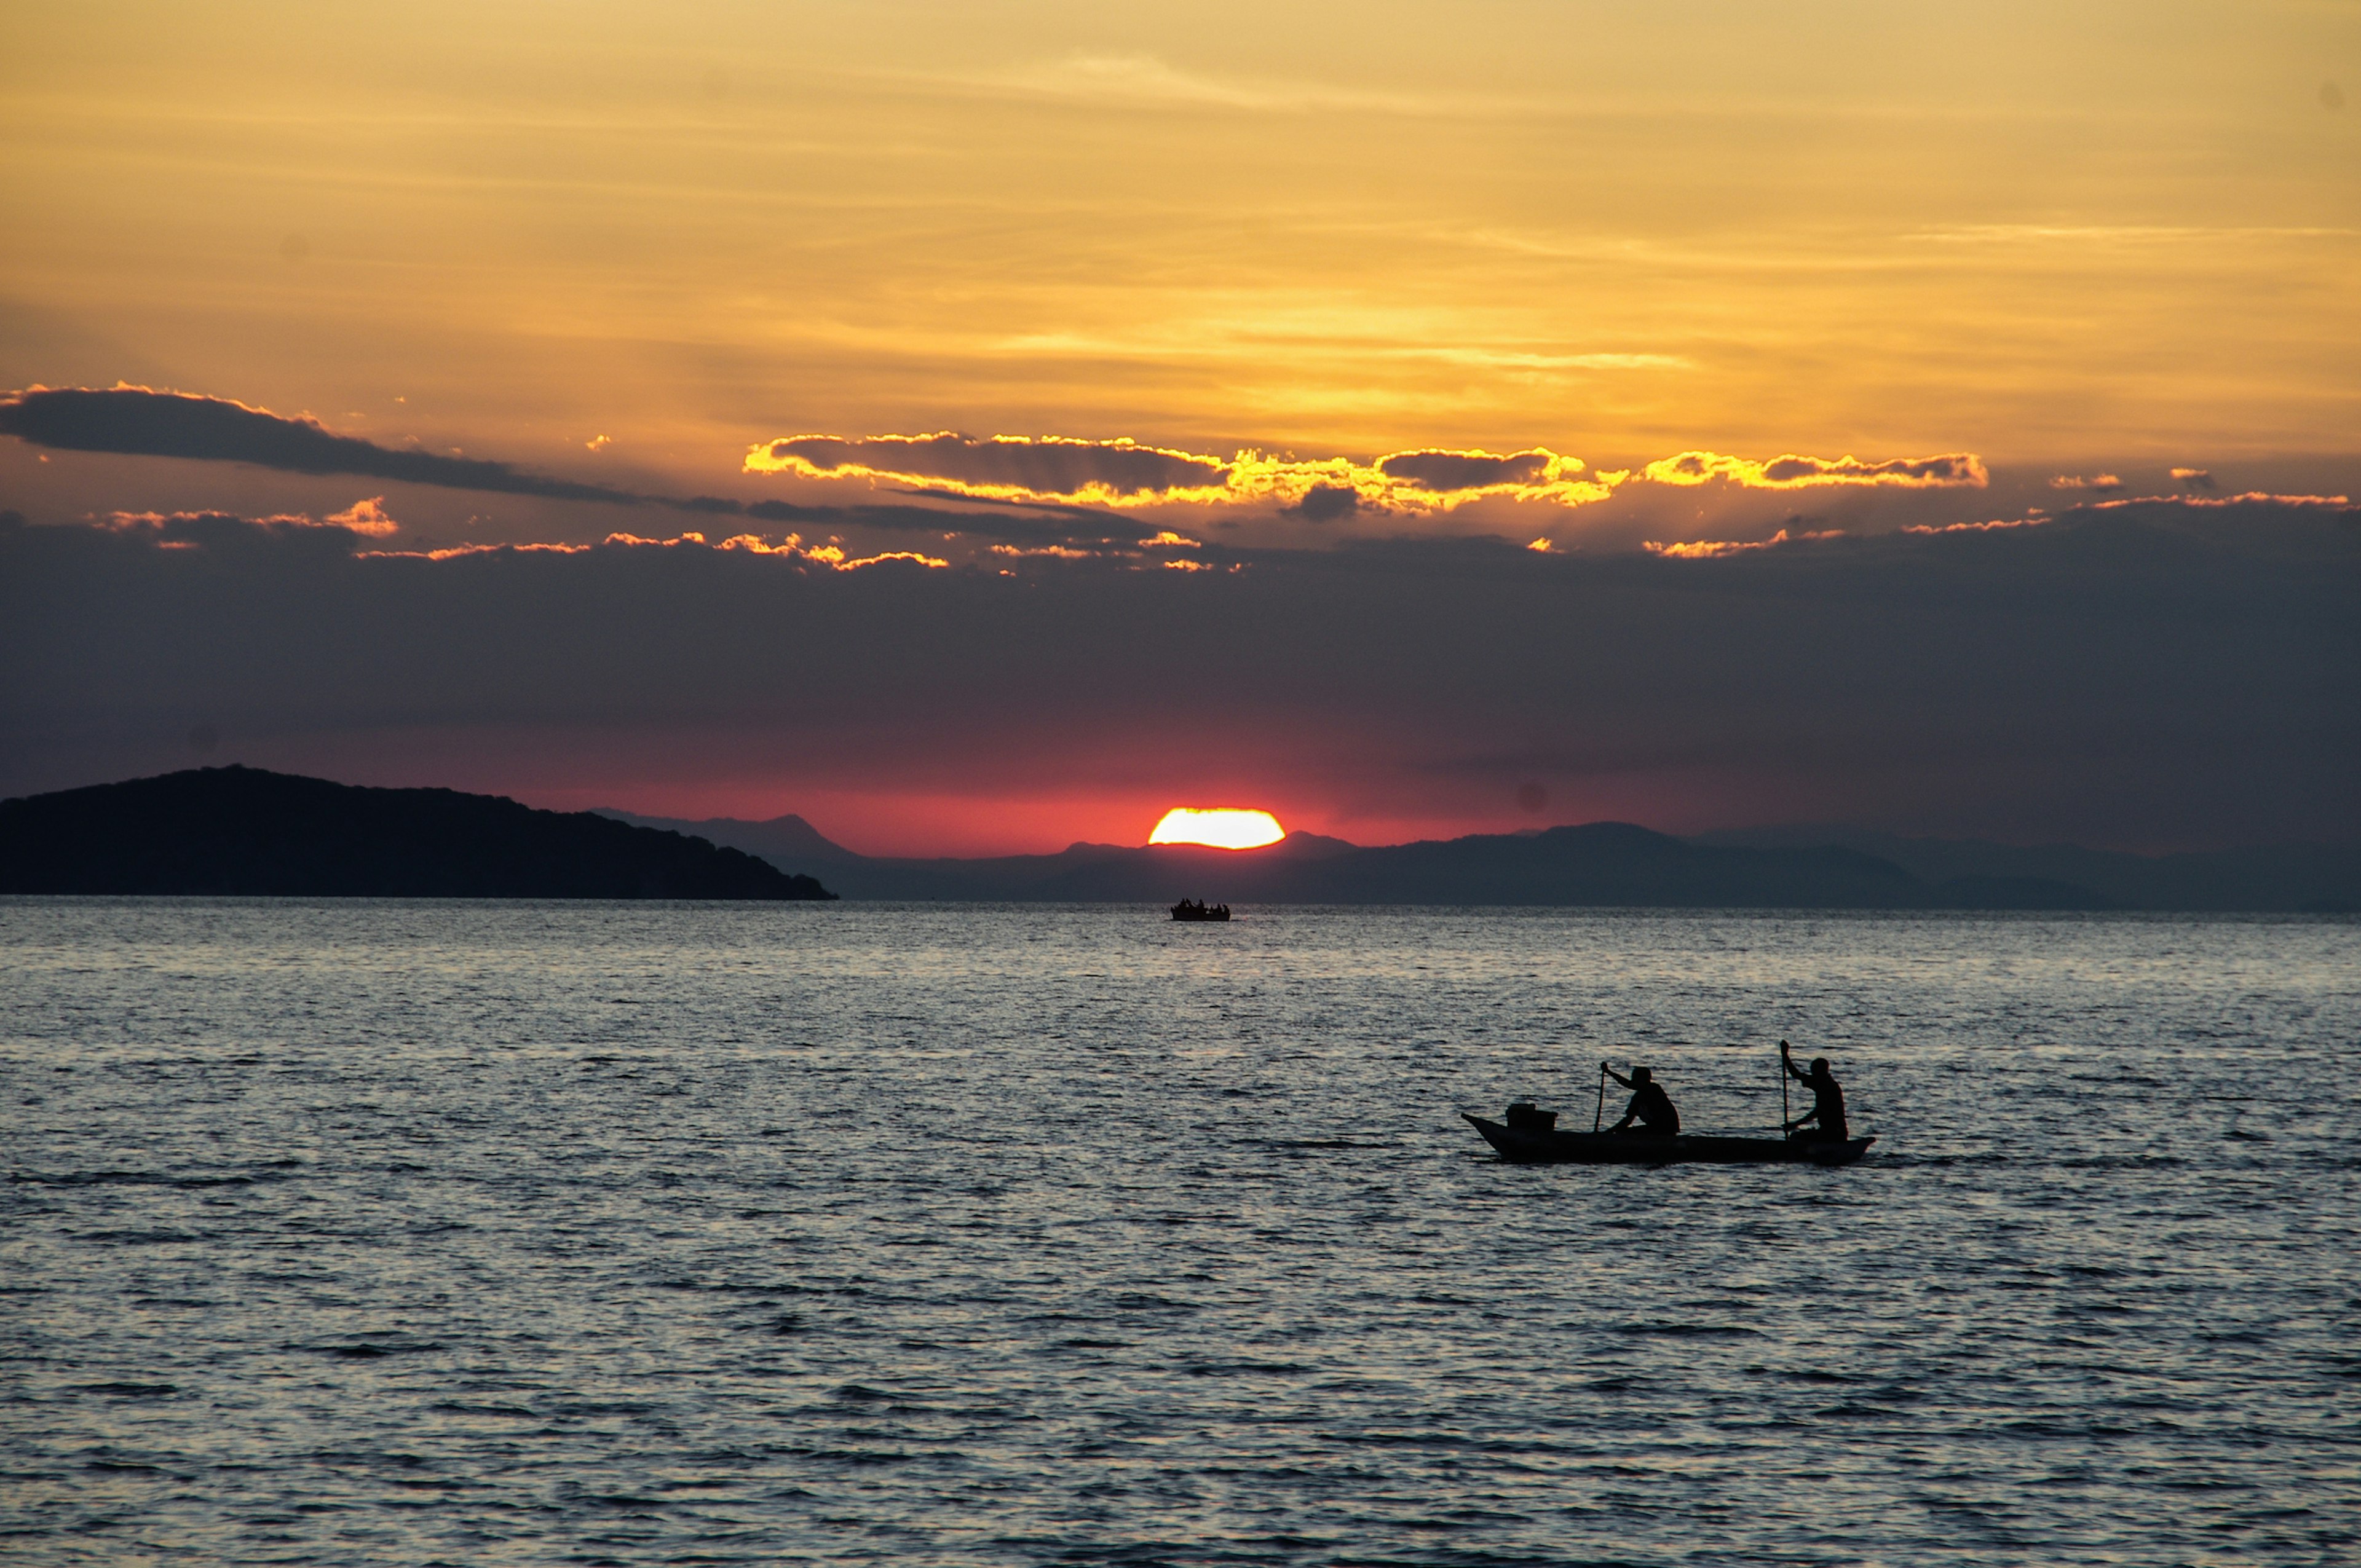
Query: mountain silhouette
{"points": [[1598, 863], [246, 831], [783, 841], [1605, 863]]}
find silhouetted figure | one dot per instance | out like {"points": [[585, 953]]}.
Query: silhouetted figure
{"points": [[1650, 1106], [1827, 1101]]}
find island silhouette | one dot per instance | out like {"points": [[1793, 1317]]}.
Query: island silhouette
{"points": [[239, 831]]}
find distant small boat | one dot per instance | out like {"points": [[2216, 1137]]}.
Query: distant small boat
{"points": [[1195, 909], [1541, 1145]]}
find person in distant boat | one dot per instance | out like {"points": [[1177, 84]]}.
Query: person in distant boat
{"points": [[1827, 1101], [1650, 1106]]}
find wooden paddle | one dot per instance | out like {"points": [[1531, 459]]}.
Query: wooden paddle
{"points": [[1782, 1086]]}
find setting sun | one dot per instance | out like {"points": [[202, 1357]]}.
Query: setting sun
{"points": [[1224, 828]]}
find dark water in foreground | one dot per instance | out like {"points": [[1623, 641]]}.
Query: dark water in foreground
{"points": [[413, 1232]]}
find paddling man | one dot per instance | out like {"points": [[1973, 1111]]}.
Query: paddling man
{"points": [[1650, 1106], [1828, 1099]]}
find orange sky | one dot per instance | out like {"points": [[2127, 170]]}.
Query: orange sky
{"points": [[2040, 233], [1956, 262]]}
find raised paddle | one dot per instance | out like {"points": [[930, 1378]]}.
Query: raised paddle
{"points": [[1782, 1086], [1598, 1116]]}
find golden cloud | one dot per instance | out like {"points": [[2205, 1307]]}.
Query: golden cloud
{"points": [[459, 552], [1792, 471], [2249, 498], [1068, 470], [791, 546], [2031, 520], [368, 517], [1706, 549], [1122, 473]]}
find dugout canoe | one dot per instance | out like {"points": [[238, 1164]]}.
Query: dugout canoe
{"points": [[1524, 1147]]}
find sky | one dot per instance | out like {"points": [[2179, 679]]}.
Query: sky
{"points": [[981, 428]]}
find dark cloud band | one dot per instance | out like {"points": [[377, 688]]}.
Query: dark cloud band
{"points": [[138, 421], [2133, 672], [1440, 470], [1001, 465]]}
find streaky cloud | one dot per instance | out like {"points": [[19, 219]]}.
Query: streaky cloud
{"points": [[144, 422], [1145, 82]]}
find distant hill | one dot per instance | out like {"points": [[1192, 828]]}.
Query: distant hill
{"points": [[245, 831], [1081, 872], [1600, 863], [1604, 863], [783, 840]]}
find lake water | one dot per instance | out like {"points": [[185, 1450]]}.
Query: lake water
{"points": [[355, 1233]]}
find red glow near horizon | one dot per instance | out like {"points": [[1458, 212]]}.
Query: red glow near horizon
{"points": [[871, 820], [923, 824]]}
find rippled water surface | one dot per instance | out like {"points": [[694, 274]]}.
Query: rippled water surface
{"points": [[464, 1232]]}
